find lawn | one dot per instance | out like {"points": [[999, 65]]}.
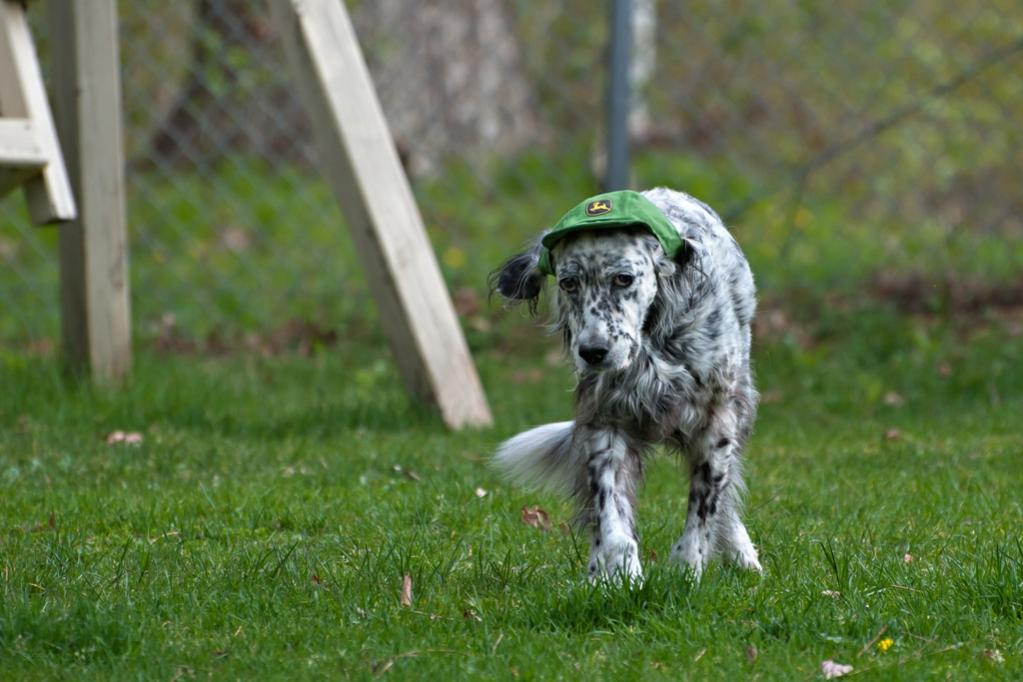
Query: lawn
{"points": [[263, 527]]}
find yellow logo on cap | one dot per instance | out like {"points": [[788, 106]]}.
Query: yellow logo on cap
{"points": [[599, 207]]}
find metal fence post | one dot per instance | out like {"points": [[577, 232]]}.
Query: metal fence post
{"points": [[617, 112]]}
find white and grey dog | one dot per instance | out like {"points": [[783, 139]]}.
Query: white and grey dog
{"points": [[661, 347]]}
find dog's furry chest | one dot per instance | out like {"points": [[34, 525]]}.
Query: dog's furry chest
{"points": [[653, 400]]}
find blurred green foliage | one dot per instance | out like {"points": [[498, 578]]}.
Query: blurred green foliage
{"points": [[840, 142]]}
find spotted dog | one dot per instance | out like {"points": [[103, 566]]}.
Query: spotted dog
{"points": [[657, 323]]}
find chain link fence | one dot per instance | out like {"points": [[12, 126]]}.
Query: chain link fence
{"points": [[852, 147]]}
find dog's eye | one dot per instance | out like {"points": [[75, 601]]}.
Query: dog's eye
{"points": [[623, 280], [569, 284]]}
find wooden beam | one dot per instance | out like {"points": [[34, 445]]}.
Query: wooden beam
{"points": [[18, 144], [358, 158], [21, 156], [22, 95], [94, 247]]}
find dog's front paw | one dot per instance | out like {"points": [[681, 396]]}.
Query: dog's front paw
{"points": [[690, 553], [616, 561], [746, 559], [737, 548]]}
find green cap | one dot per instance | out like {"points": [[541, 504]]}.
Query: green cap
{"points": [[611, 210]]}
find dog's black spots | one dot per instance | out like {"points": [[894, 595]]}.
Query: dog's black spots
{"points": [[718, 478], [652, 317], [714, 319], [622, 512], [712, 326], [602, 500], [684, 256], [673, 351], [708, 506], [597, 542], [723, 443]]}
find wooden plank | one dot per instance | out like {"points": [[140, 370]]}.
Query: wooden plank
{"points": [[94, 247], [12, 100], [21, 157], [23, 96], [18, 144], [358, 158]]}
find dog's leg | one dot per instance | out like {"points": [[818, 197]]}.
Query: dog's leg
{"points": [[712, 520], [734, 542], [611, 474]]}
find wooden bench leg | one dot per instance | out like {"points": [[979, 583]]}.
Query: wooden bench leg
{"points": [[93, 247]]}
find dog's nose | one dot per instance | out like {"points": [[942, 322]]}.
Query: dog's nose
{"points": [[593, 355]]}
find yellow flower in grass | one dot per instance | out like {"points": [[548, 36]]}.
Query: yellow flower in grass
{"points": [[885, 644], [454, 257]]}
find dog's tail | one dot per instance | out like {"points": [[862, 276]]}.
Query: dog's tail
{"points": [[541, 458]]}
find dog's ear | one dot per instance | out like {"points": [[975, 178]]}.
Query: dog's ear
{"points": [[686, 254], [520, 277], [679, 279], [690, 261]]}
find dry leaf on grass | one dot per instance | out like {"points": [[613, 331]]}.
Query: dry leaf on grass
{"points": [[893, 399], [480, 324], [480, 492], [907, 558], [536, 517], [406, 591], [126, 437], [466, 301], [410, 474], [751, 653], [832, 669], [892, 434], [834, 594]]}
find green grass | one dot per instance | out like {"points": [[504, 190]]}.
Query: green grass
{"points": [[263, 528]]}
